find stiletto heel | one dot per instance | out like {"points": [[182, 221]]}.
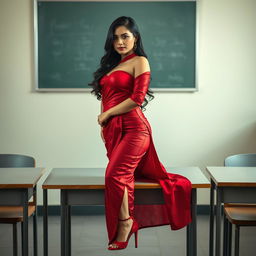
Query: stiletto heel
{"points": [[136, 239], [134, 229]]}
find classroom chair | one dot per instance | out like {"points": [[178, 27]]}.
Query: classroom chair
{"points": [[14, 214], [237, 214]]}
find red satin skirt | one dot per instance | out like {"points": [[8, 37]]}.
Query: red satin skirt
{"points": [[129, 143]]}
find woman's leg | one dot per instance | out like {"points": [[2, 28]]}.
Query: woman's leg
{"points": [[119, 183], [124, 227], [124, 211]]}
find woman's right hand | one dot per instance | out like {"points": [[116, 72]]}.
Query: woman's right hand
{"points": [[102, 136]]}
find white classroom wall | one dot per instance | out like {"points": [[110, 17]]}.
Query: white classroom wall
{"points": [[189, 129]]}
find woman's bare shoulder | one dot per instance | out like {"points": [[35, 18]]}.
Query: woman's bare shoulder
{"points": [[141, 65], [140, 59]]}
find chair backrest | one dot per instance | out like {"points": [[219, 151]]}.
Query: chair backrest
{"points": [[14, 160], [241, 160]]}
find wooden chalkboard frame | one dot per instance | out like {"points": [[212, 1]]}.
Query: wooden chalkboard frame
{"points": [[73, 89]]}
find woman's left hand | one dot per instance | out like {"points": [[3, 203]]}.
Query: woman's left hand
{"points": [[103, 118]]}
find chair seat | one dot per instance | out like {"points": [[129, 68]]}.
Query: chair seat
{"points": [[241, 214], [12, 214]]}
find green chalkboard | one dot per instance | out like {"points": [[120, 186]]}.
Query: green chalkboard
{"points": [[70, 38]]}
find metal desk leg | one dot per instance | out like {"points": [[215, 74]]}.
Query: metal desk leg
{"points": [[191, 228], [15, 242], [63, 223], [218, 222], [35, 240], [211, 230], [45, 219], [225, 235], [189, 249], [229, 245], [237, 234], [68, 230], [25, 222], [194, 222]]}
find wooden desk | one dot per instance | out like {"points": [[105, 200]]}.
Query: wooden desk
{"points": [[232, 185], [17, 185], [85, 186]]}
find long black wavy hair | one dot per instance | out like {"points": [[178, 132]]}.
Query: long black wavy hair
{"points": [[111, 58]]}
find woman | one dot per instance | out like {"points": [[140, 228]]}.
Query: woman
{"points": [[122, 83]]}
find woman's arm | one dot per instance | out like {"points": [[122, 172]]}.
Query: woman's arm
{"points": [[101, 130], [123, 107]]}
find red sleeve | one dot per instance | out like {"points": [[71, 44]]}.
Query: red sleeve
{"points": [[141, 84]]}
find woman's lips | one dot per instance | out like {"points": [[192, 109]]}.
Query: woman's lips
{"points": [[121, 48]]}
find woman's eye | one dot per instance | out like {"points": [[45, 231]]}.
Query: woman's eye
{"points": [[123, 37]]}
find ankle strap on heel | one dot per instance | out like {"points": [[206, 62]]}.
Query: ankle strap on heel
{"points": [[130, 217]]}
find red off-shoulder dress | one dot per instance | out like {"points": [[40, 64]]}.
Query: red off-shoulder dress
{"points": [[132, 157]]}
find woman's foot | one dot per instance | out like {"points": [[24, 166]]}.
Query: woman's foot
{"points": [[124, 228]]}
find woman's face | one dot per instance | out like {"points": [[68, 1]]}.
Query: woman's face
{"points": [[123, 40]]}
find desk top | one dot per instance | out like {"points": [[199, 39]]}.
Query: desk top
{"points": [[94, 178], [233, 176], [20, 177]]}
